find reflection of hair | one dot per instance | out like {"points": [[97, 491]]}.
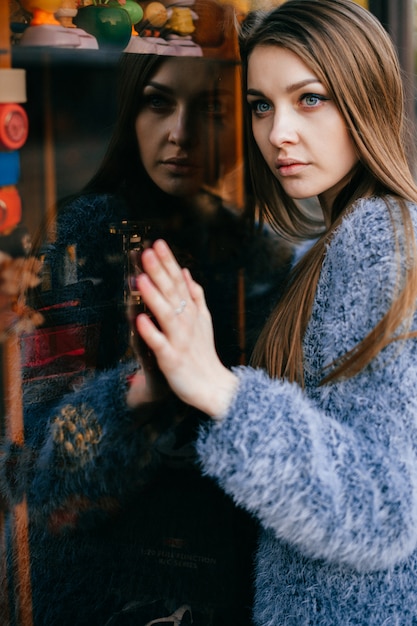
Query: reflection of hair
{"points": [[121, 167], [352, 55]]}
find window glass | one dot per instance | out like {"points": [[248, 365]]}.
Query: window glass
{"points": [[134, 131]]}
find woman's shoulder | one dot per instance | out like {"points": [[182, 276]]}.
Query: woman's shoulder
{"points": [[372, 228], [89, 206], [373, 216], [367, 253], [86, 215]]}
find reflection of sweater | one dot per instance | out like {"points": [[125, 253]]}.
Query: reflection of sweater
{"points": [[120, 517], [331, 471]]}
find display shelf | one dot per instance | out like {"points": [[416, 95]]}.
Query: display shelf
{"points": [[29, 56]]}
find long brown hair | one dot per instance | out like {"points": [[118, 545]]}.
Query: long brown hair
{"points": [[353, 56], [121, 165]]}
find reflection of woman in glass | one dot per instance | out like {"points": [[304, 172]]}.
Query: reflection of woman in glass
{"points": [[124, 529]]}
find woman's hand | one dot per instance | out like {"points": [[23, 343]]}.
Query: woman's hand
{"points": [[184, 342], [147, 386]]}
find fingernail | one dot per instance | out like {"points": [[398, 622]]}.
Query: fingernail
{"points": [[162, 245]]}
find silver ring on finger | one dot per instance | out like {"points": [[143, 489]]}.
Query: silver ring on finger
{"points": [[180, 308]]}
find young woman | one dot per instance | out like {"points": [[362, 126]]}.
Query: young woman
{"points": [[318, 438], [123, 527]]}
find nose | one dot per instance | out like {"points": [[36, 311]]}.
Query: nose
{"points": [[182, 131], [284, 128]]}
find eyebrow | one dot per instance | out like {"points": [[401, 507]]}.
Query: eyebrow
{"points": [[289, 88], [158, 86]]}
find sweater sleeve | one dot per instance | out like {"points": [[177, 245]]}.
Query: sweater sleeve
{"points": [[332, 470], [86, 455]]}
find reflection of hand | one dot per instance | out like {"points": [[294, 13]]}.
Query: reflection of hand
{"points": [[184, 342], [139, 392], [146, 386]]}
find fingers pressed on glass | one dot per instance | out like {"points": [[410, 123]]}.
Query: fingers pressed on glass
{"points": [[166, 259], [153, 297], [166, 275]]}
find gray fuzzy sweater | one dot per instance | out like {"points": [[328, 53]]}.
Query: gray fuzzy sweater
{"points": [[331, 471]]}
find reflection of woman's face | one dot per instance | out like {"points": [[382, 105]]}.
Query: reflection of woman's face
{"points": [[185, 127]]}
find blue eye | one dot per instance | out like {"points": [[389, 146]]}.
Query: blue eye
{"points": [[260, 107], [312, 99]]}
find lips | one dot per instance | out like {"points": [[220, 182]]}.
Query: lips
{"points": [[287, 162], [289, 166], [180, 165], [178, 161]]}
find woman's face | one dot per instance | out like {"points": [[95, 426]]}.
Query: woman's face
{"points": [[186, 126], [299, 130]]}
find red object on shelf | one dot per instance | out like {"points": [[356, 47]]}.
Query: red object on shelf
{"points": [[14, 126], [10, 208]]}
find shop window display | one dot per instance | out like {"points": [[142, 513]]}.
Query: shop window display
{"points": [[106, 518]]}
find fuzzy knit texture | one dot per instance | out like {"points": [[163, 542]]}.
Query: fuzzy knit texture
{"points": [[331, 471]]}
